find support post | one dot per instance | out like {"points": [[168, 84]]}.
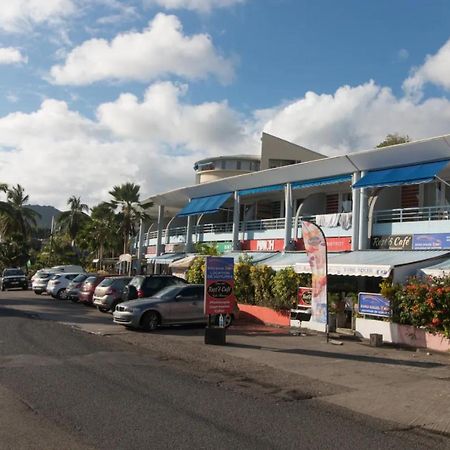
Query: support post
{"points": [[189, 230], [363, 217], [139, 246], [287, 216], [355, 212], [160, 230], [236, 211]]}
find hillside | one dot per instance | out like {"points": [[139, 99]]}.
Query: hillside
{"points": [[46, 213]]}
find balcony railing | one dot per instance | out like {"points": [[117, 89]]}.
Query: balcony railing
{"points": [[427, 213]]}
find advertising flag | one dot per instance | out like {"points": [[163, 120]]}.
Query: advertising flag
{"points": [[316, 249]]}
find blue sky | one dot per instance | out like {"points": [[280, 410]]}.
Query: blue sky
{"points": [[99, 92]]}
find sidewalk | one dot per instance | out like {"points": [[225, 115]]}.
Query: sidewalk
{"points": [[407, 387]]}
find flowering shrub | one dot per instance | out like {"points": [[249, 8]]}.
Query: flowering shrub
{"points": [[423, 303]]}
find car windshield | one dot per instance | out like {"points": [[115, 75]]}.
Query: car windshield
{"points": [[55, 277], [106, 282], [12, 272], [136, 281], [167, 292], [80, 278], [90, 280]]}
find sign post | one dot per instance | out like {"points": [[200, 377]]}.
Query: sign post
{"points": [[219, 296]]}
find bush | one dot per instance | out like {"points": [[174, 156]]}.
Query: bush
{"points": [[243, 287], [261, 278], [285, 284], [196, 273]]}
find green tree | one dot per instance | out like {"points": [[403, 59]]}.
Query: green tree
{"points": [[126, 199], [17, 221], [243, 286], [285, 286], [72, 221], [262, 276], [393, 139]]}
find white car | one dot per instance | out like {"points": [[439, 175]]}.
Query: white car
{"points": [[40, 280], [57, 286], [67, 269]]}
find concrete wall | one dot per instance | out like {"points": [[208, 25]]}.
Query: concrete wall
{"points": [[276, 148]]}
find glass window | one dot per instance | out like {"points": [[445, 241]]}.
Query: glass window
{"points": [[12, 272], [79, 278]]}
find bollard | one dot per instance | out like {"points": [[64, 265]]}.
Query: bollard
{"points": [[376, 340]]}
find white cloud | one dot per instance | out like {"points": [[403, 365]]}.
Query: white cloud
{"points": [[435, 70], [160, 49], [403, 54], [22, 15], [11, 55], [57, 152], [194, 5], [354, 118]]}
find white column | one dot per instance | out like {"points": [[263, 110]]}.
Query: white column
{"points": [[236, 211], [363, 217], [160, 230], [189, 230], [287, 216], [139, 246], [355, 212]]}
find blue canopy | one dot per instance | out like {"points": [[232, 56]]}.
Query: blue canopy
{"points": [[204, 205], [412, 174], [321, 181]]}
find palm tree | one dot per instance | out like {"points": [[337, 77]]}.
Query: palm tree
{"points": [[16, 218], [71, 221], [126, 197]]}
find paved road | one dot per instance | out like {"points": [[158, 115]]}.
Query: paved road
{"points": [[64, 388]]}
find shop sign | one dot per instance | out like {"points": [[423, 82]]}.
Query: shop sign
{"points": [[373, 305], [392, 242], [334, 244], [263, 245], [174, 248], [304, 296], [435, 241], [151, 250], [224, 247], [219, 282]]}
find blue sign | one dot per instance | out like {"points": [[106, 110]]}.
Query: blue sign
{"points": [[436, 241], [374, 305], [219, 268]]}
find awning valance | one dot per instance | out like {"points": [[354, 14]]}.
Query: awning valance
{"points": [[205, 205], [438, 270], [167, 258], [321, 181], [372, 263], [411, 174], [262, 189]]}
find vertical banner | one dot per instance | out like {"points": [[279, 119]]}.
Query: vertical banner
{"points": [[316, 249], [219, 285]]}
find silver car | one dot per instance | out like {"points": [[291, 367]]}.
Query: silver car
{"points": [[40, 281], [57, 286], [108, 294], [172, 305]]}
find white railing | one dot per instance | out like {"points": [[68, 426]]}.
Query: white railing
{"points": [[427, 213]]}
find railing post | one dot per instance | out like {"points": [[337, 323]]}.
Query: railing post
{"points": [[355, 212], [363, 217], [288, 216]]}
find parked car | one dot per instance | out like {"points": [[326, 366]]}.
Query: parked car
{"points": [[142, 286], [173, 305], [13, 278], [88, 287], [39, 272], [57, 285], [108, 294], [74, 287], [67, 269], [40, 281]]}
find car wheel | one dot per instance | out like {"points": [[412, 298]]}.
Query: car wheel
{"points": [[102, 309], [113, 307], [74, 299], [38, 292], [150, 321], [25, 288], [3, 288], [61, 294]]}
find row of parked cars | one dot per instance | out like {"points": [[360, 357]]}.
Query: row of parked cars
{"points": [[142, 301]]}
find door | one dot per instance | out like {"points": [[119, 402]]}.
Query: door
{"points": [[188, 305]]}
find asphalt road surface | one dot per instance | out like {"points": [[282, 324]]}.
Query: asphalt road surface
{"points": [[64, 388]]}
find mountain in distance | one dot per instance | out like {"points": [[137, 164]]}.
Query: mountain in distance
{"points": [[46, 213]]}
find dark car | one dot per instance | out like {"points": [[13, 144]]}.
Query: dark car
{"points": [[13, 278], [142, 286], [88, 287]]}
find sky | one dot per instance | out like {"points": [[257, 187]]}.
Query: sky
{"points": [[96, 93]]}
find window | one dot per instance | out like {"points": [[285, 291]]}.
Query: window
{"points": [[410, 196], [281, 162], [238, 165], [332, 205]]}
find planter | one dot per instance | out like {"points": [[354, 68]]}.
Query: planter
{"points": [[402, 334], [264, 315]]}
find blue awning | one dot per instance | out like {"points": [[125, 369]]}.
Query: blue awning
{"points": [[412, 174], [321, 181], [204, 205], [262, 189]]}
